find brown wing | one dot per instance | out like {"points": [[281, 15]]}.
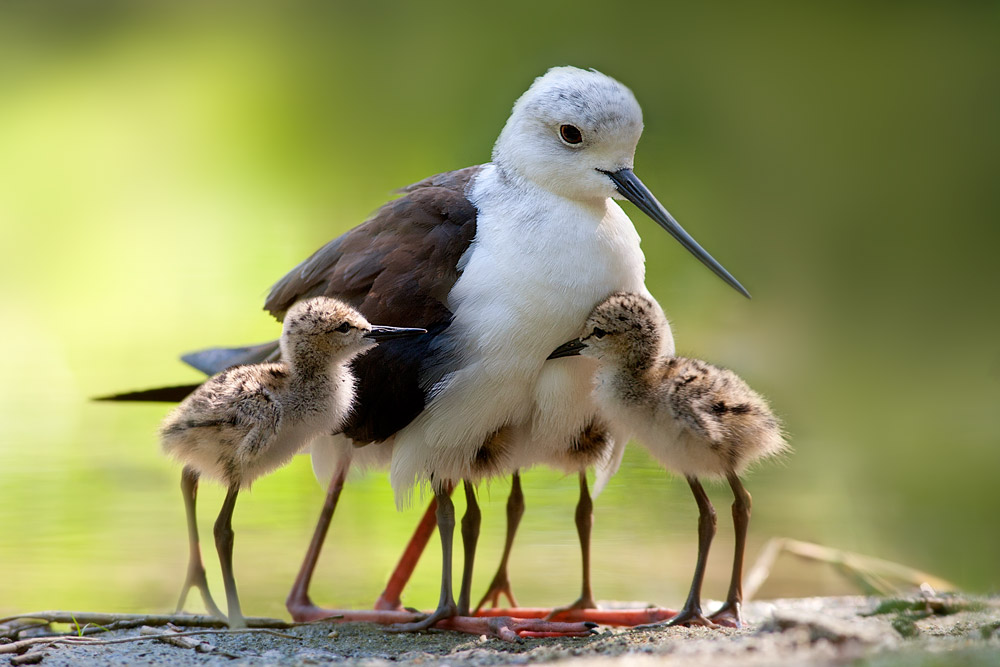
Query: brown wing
{"points": [[396, 269]]}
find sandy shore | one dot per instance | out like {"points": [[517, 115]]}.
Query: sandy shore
{"points": [[781, 632]]}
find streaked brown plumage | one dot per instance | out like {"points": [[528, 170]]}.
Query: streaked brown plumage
{"points": [[697, 419], [397, 269], [250, 420]]}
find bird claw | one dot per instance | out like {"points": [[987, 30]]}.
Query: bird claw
{"points": [[500, 586], [685, 617], [581, 603], [307, 612], [729, 615], [385, 604], [442, 613], [196, 579], [511, 629], [620, 617], [499, 629]]}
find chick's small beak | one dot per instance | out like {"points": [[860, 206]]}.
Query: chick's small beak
{"points": [[384, 333], [570, 349]]}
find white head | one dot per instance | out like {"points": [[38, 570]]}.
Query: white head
{"points": [[574, 133], [569, 127]]}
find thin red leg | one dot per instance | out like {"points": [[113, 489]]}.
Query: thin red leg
{"points": [[390, 598], [298, 603], [503, 627], [302, 609], [620, 617]]}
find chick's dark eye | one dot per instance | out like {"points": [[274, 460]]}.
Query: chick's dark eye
{"points": [[599, 332], [570, 134], [343, 328]]}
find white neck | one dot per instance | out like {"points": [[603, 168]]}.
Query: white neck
{"points": [[538, 265]]}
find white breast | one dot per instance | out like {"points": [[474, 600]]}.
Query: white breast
{"points": [[537, 267], [657, 429]]}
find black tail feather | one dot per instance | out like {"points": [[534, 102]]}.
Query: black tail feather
{"points": [[209, 362], [158, 395], [218, 359]]}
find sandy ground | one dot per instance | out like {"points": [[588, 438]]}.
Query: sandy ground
{"points": [[781, 632]]}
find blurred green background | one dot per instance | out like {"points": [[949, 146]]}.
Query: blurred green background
{"points": [[162, 164]]}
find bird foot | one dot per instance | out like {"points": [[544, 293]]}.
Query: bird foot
{"points": [[444, 611], [499, 586], [729, 615], [385, 604], [310, 612], [303, 610], [686, 617], [617, 617], [581, 603], [510, 629], [196, 579]]}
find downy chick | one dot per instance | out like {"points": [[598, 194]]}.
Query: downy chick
{"points": [[696, 419], [248, 421]]}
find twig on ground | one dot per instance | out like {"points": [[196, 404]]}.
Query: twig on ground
{"points": [[74, 640], [190, 620], [175, 637]]}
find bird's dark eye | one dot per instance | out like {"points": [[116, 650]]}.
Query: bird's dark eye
{"points": [[570, 134], [343, 328], [599, 332]]}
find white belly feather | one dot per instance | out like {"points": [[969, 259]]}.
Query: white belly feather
{"points": [[537, 267]]}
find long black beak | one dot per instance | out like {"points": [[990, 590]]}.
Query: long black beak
{"points": [[631, 188], [385, 333], [570, 349]]}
